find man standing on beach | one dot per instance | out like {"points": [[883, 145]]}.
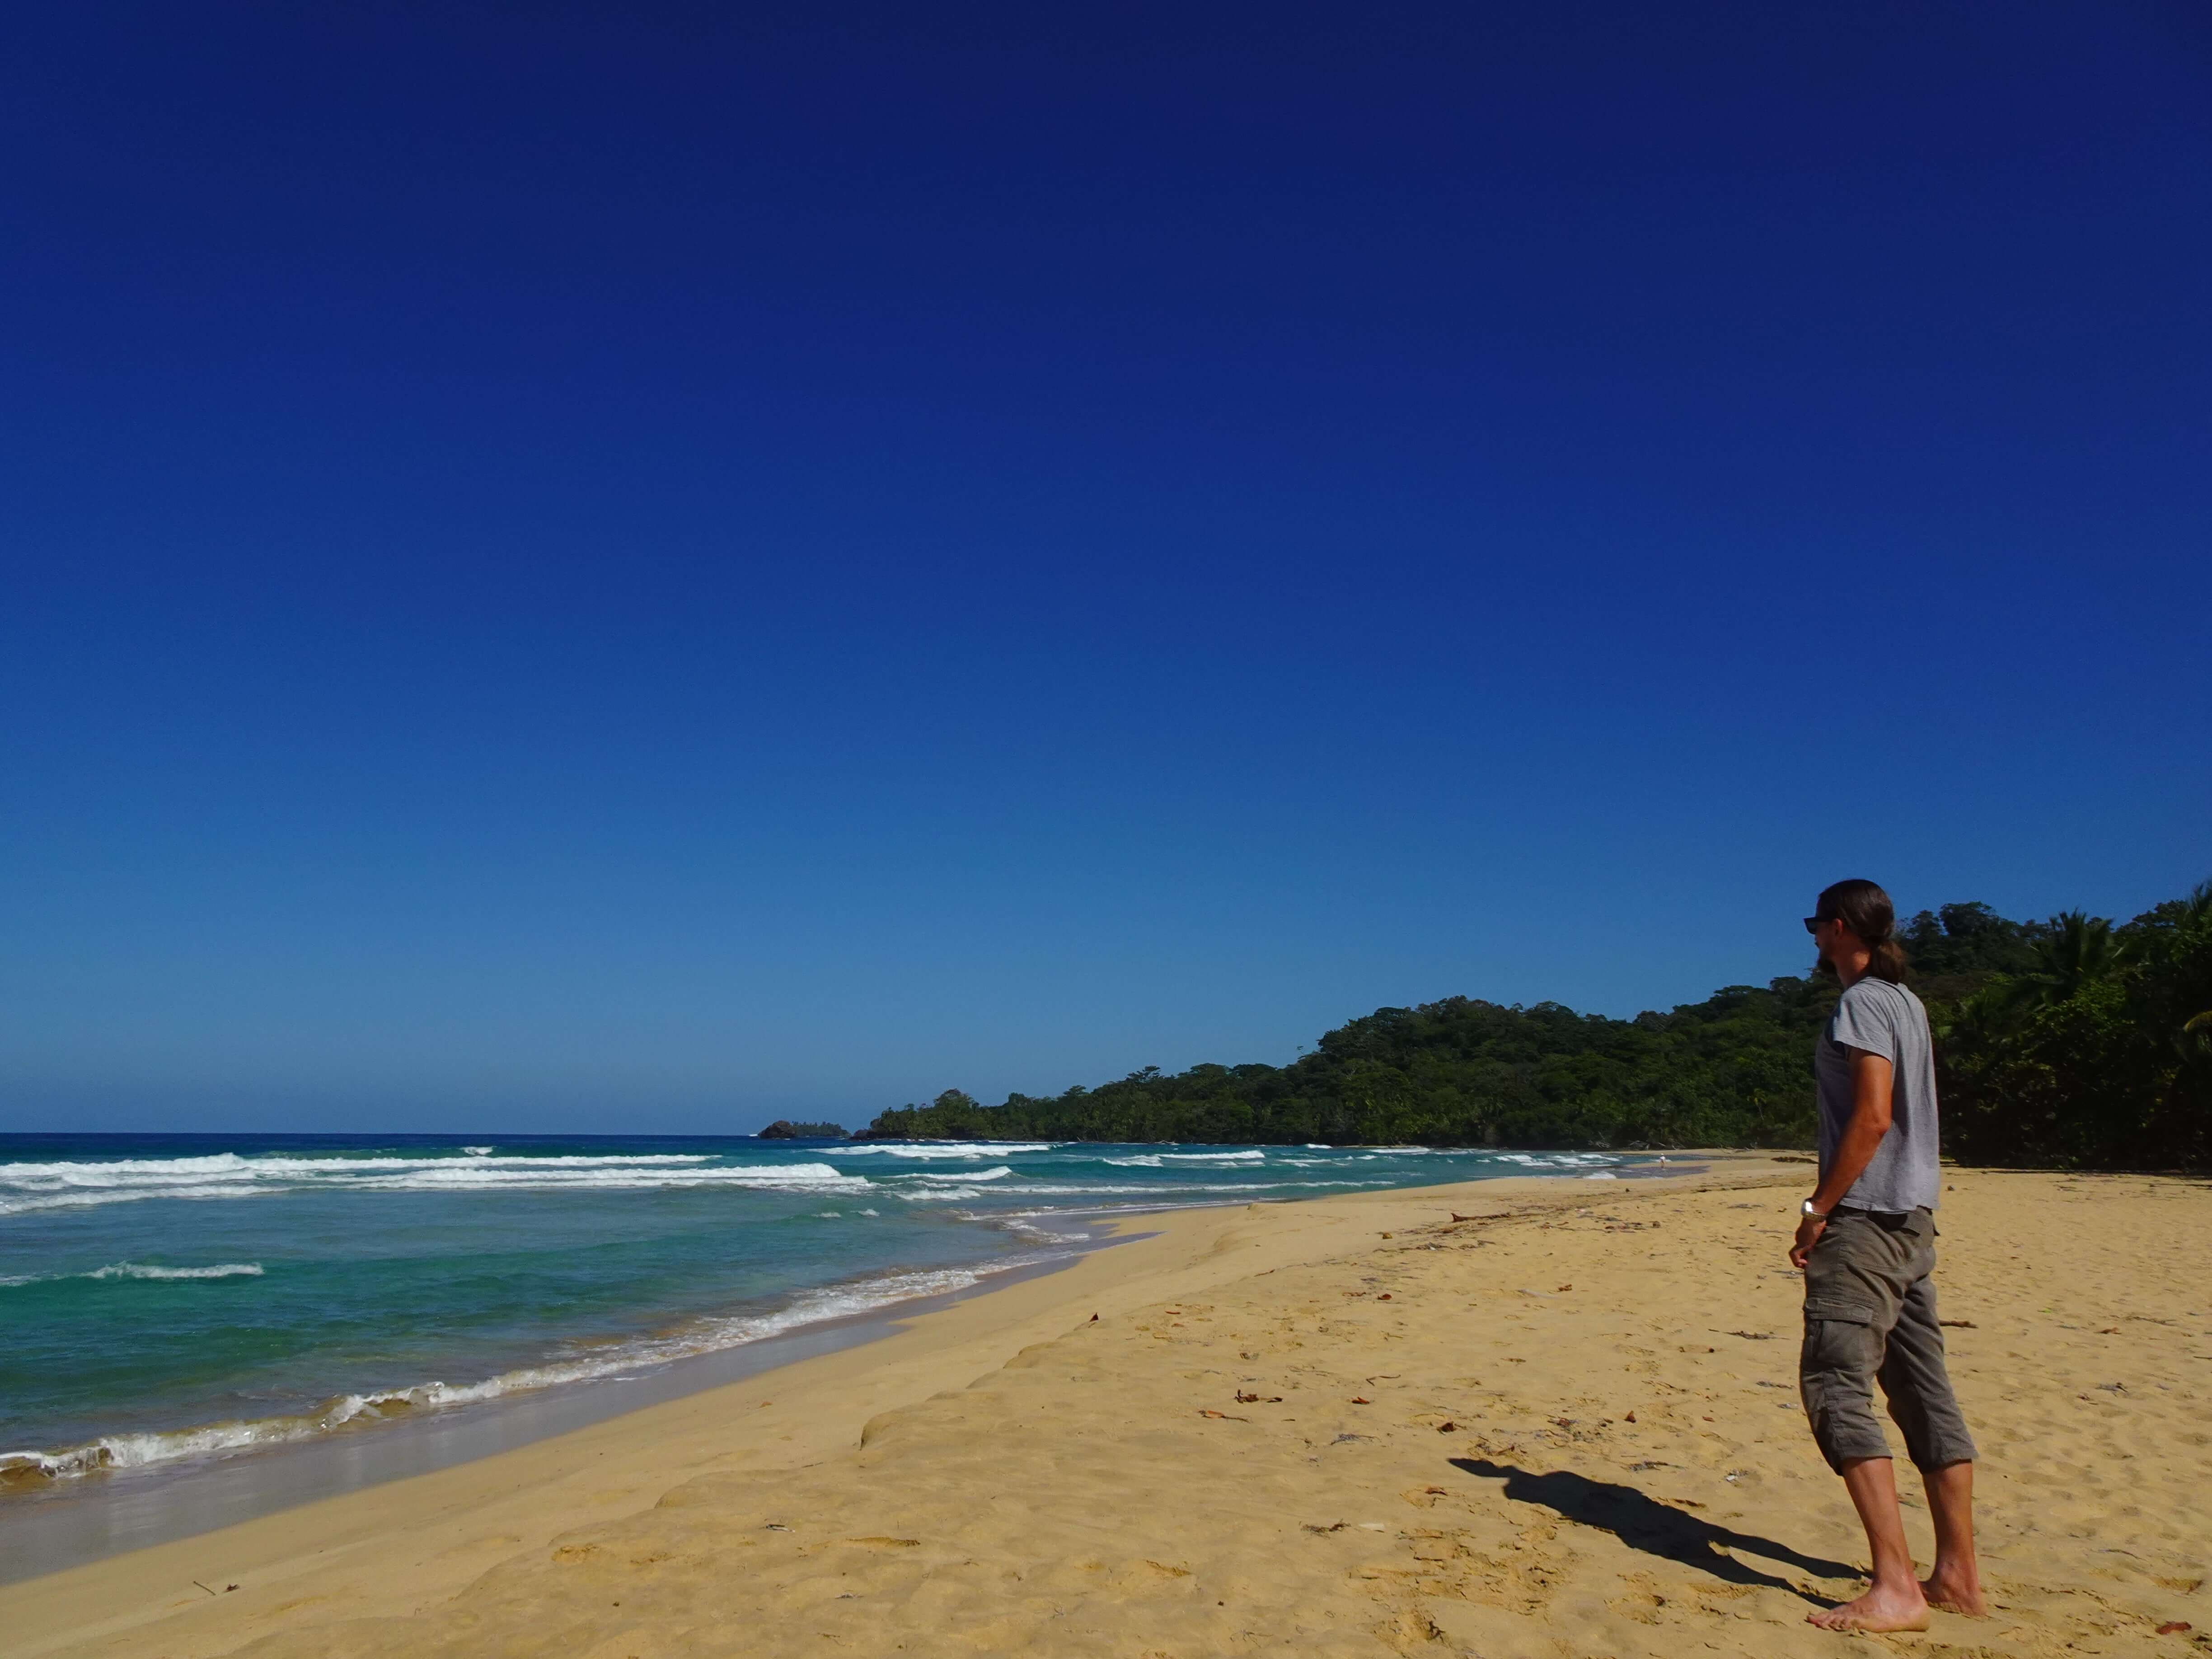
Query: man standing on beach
{"points": [[1866, 1242]]}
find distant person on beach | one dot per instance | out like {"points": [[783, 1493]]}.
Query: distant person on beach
{"points": [[1865, 1241]]}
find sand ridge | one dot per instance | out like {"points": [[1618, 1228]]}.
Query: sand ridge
{"points": [[1567, 1427]]}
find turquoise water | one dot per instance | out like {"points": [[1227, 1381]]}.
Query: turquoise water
{"points": [[170, 1299]]}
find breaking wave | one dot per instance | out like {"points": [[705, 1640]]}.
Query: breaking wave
{"points": [[201, 1265], [141, 1270], [932, 1149], [28, 1186], [595, 1363]]}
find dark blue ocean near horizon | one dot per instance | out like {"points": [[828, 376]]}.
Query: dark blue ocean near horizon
{"points": [[167, 1299]]}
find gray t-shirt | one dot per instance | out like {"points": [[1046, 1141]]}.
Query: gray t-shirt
{"points": [[1884, 1019]]}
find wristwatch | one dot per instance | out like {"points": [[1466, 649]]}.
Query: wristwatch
{"points": [[1807, 1210]]}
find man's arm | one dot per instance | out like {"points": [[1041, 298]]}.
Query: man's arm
{"points": [[1871, 1080]]}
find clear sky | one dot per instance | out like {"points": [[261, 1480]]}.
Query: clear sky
{"points": [[600, 567]]}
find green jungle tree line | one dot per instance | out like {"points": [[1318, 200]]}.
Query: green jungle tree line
{"points": [[2069, 1042]]}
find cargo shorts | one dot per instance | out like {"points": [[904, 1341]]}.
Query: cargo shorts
{"points": [[1870, 1318]]}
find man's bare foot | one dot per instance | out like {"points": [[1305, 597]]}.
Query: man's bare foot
{"points": [[1880, 1608], [1954, 1593]]}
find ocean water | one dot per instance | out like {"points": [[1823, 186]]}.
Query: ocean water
{"points": [[168, 1300]]}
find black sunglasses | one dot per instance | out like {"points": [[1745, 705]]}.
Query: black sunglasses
{"points": [[1813, 923]]}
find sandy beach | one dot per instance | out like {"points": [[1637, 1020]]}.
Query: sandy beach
{"points": [[1551, 1418]]}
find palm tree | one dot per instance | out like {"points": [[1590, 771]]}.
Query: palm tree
{"points": [[2197, 905], [2077, 950], [2196, 1031]]}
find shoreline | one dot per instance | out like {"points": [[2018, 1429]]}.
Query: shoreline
{"points": [[318, 1372], [497, 1502], [82, 1508], [105, 1513]]}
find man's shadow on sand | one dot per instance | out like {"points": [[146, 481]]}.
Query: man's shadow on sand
{"points": [[1656, 1529]]}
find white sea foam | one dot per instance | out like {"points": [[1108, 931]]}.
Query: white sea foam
{"points": [[606, 1363], [999, 1174], [472, 1178], [1159, 1160], [975, 1149], [28, 1186], [125, 1451], [949, 1175], [142, 1270], [44, 1185], [232, 1166], [1553, 1160], [1072, 1189], [1022, 1222]]}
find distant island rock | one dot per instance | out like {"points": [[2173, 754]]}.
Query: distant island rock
{"points": [[784, 1129]]}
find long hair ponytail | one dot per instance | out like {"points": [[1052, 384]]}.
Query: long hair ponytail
{"points": [[1864, 908]]}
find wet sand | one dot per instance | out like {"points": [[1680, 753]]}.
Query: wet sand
{"points": [[73, 1521], [1567, 1427]]}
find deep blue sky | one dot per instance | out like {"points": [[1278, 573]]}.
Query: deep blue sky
{"points": [[607, 568]]}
